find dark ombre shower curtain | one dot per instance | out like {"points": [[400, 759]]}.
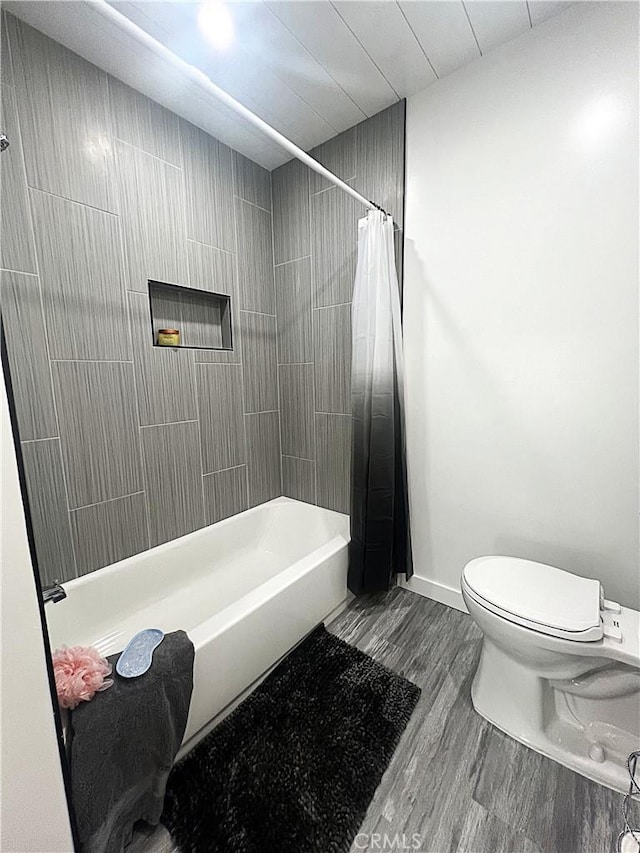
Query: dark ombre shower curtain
{"points": [[380, 536]]}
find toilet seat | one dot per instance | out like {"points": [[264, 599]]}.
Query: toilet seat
{"points": [[537, 596]]}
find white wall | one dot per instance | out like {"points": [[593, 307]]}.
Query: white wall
{"points": [[521, 305], [33, 807]]}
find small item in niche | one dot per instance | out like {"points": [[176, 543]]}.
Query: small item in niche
{"points": [[80, 672], [168, 337]]}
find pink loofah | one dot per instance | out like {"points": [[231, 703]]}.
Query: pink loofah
{"points": [[80, 673]]}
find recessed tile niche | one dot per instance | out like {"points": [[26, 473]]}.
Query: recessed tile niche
{"points": [[202, 318]]}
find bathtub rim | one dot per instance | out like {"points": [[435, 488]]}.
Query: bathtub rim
{"points": [[182, 541]]}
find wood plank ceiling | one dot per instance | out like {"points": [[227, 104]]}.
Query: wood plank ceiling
{"points": [[311, 68]]}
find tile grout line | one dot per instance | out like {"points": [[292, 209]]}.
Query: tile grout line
{"points": [[32, 229], [145, 292], [202, 474], [312, 281], [107, 501], [277, 341], [72, 200], [252, 203], [91, 360], [141, 454], [261, 313], [21, 272], [63, 465], [169, 423], [295, 363], [239, 328], [210, 245], [292, 261], [246, 441], [335, 305], [332, 187], [222, 470], [194, 377], [193, 365], [116, 138]]}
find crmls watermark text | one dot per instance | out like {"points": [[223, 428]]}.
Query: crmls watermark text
{"points": [[384, 842]]}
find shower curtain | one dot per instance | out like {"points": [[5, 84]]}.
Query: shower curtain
{"points": [[380, 536]]}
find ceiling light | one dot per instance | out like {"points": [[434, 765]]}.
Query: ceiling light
{"points": [[216, 24]]}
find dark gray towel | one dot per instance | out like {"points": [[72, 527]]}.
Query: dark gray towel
{"points": [[124, 742]]}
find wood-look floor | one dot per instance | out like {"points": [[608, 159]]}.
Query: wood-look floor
{"points": [[457, 782]]}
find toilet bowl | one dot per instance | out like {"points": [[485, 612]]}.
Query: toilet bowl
{"points": [[560, 665]]}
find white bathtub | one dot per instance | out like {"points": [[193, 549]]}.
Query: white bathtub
{"points": [[246, 590]]}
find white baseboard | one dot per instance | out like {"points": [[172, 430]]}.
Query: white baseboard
{"points": [[436, 591]]}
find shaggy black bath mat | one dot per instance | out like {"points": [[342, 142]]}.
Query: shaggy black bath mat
{"points": [[294, 767]]}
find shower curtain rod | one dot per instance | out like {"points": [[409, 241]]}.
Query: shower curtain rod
{"points": [[199, 77]]}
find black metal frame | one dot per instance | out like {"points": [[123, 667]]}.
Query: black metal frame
{"points": [[66, 771]]}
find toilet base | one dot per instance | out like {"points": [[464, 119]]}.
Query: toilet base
{"points": [[523, 705]]}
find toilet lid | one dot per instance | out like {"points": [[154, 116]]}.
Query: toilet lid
{"points": [[550, 598]]}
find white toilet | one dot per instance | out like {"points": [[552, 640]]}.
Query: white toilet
{"points": [[560, 666]]}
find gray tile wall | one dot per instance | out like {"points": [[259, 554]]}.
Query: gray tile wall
{"points": [[62, 104], [315, 239], [127, 445], [263, 451]]}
